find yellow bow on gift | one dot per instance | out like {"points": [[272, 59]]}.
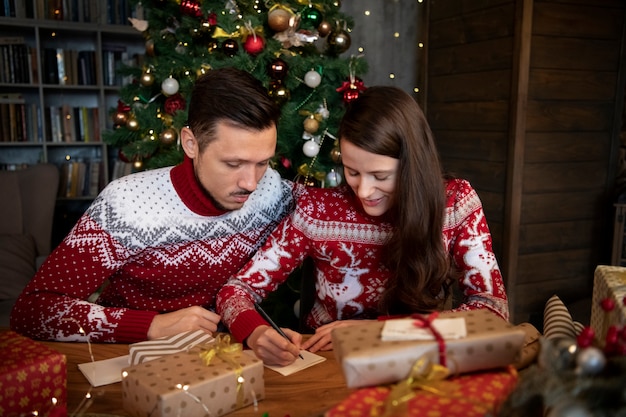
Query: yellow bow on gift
{"points": [[424, 375], [228, 352]]}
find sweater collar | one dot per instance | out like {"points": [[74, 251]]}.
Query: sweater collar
{"points": [[190, 190]]}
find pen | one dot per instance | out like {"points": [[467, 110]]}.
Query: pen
{"points": [[271, 322]]}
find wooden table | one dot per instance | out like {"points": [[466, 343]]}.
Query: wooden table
{"points": [[307, 393]]}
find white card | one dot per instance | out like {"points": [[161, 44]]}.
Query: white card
{"points": [[104, 372], [309, 360], [405, 329]]}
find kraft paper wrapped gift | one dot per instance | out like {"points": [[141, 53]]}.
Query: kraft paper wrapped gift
{"points": [[184, 384], [472, 395], [366, 360], [608, 282], [33, 378]]}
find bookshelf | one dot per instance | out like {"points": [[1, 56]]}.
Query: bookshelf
{"points": [[58, 81]]}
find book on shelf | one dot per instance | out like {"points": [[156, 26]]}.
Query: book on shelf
{"points": [[72, 124], [18, 119], [80, 178], [15, 60]]}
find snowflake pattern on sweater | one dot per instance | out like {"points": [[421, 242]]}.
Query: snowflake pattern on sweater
{"points": [[345, 244], [160, 244]]}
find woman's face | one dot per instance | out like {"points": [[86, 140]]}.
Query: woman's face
{"points": [[371, 176]]}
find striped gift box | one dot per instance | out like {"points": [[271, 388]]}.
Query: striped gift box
{"points": [[153, 349]]}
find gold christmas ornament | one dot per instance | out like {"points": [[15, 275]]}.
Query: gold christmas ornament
{"points": [[168, 136], [167, 119], [150, 47], [147, 78], [120, 118], [311, 125], [324, 28], [278, 19], [335, 155], [132, 123]]}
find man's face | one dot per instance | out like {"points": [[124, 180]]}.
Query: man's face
{"points": [[230, 167]]}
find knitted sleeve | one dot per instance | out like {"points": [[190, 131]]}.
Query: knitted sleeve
{"points": [[469, 242], [284, 251], [54, 305]]}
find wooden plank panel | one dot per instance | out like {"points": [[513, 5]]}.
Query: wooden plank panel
{"points": [[493, 204], [480, 56], [558, 236], [565, 84], [563, 177], [614, 4], [532, 297], [468, 116], [485, 24], [549, 266], [490, 146], [562, 206], [574, 53], [486, 85], [582, 21], [483, 175], [567, 146], [560, 116], [448, 8]]}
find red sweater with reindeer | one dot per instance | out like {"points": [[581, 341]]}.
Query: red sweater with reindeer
{"points": [[346, 244]]}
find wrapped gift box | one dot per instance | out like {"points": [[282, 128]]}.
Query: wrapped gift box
{"points": [[33, 377], [472, 395], [608, 282], [153, 349], [366, 360], [183, 384]]}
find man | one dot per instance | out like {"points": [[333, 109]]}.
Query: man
{"points": [[161, 243]]}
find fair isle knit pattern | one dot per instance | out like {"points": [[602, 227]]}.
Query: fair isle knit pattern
{"points": [[162, 247], [346, 245]]}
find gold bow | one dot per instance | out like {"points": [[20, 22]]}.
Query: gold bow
{"points": [[424, 375], [228, 352]]}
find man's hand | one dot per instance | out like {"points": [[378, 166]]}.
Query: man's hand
{"points": [[272, 348], [321, 340], [183, 320]]}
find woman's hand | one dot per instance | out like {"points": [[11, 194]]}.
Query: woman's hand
{"points": [[183, 320], [321, 340], [272, 348]]}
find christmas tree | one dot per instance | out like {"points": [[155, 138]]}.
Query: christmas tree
{"points": [[294, 47]]}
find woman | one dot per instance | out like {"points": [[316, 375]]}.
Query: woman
{"points": [[391, 241]]}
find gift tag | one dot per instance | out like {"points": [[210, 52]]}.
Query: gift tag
{"points": [[406, 329]]}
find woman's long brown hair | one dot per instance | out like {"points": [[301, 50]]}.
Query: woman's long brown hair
{"points": [[387, 121]]}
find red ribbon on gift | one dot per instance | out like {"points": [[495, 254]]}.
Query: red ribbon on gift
{"points": [[427, 322]]}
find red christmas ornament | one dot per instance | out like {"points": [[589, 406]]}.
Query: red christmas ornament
{"points": [[174, 103], [191, 8], [122, 157], [254, 44], [285, 162], [351, 90]]}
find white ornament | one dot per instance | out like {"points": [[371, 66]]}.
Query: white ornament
{"points": [[312, 78], [333, 178], [169, 86], [310, 148]]}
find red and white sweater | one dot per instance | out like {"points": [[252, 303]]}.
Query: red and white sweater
{"points": [[161, 245], [329, 226]]}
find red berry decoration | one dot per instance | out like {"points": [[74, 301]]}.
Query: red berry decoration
{"points": [[585, 338], [607, 304]]}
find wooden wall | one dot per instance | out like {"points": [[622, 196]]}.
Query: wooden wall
{"points": [[525, 98]]}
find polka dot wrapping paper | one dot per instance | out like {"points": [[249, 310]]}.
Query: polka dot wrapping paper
{"points": [[182, 384], [608, 282], [491, 342], [472, 395], [33, 378]]}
